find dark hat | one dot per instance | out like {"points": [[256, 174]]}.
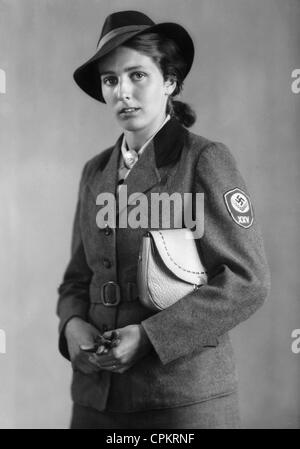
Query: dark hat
{"points": [[119, 28]]}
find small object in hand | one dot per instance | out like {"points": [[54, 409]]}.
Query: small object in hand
{"points": [[102, 344], [89, 348], [100, 350]]}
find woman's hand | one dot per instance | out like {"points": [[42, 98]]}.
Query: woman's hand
{"points": [[133, 345], [78, 333]]}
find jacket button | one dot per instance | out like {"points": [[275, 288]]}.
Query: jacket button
{"points": [[107, 230], [107, 263]]}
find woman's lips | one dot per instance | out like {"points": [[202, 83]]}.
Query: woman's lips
{"points": [[127, 112]]}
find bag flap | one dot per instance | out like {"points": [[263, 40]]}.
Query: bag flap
{"points": [[178, 250]]}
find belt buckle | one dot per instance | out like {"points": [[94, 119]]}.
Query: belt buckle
{"points": [[110, 294]]}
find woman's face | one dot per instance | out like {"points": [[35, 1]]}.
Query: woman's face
{"points": [[134, 88]]}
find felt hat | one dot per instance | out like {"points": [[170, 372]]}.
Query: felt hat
{"points": [[120, 27]]}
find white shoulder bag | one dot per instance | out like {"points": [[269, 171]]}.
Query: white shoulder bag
{"points": [[169, 267]]}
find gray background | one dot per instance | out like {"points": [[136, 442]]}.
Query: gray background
{"points": [[240, 87]]}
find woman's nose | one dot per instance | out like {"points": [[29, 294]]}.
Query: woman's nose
{"points": [[123, 90]]}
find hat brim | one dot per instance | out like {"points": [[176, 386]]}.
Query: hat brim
{"points": [[87, 75]]}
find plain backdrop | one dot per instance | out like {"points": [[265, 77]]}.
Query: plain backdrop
{"points": [[240, 87]]}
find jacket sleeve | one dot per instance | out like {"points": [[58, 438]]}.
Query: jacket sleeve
{"points": [[238, 275], [74, 290]]}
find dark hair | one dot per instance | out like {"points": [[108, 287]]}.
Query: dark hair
{"points": [[168, 57]]}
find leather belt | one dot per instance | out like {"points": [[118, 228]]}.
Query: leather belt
{"points": [[112, 293]]}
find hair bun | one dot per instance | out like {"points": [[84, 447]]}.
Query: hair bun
{"points": [[182, 112]]}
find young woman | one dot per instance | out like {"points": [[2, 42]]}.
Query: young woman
{"points": [[174, 368]]}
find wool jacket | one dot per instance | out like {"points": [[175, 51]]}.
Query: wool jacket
{"points": [[192, 358]]}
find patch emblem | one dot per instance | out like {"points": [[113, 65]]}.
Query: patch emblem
{"points": [[239, 206]]}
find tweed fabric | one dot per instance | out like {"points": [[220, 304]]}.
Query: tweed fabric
{"points": [[217, 413]]}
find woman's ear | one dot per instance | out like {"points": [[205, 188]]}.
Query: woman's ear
{"points": [[170, 86]]}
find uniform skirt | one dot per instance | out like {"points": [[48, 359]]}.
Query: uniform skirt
{"points": [[216, 413]]}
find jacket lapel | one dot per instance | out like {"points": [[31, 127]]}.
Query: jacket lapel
{"points": [[105, 177], [162, 151], [151, 168]]}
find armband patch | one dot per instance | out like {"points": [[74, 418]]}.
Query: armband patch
{"points": [[239, 207]]}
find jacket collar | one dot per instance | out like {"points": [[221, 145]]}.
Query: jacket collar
{"points": [[163, 150], [168, 143]]}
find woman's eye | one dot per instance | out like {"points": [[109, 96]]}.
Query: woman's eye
{"points": [[109, 81], [138, 75]]}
